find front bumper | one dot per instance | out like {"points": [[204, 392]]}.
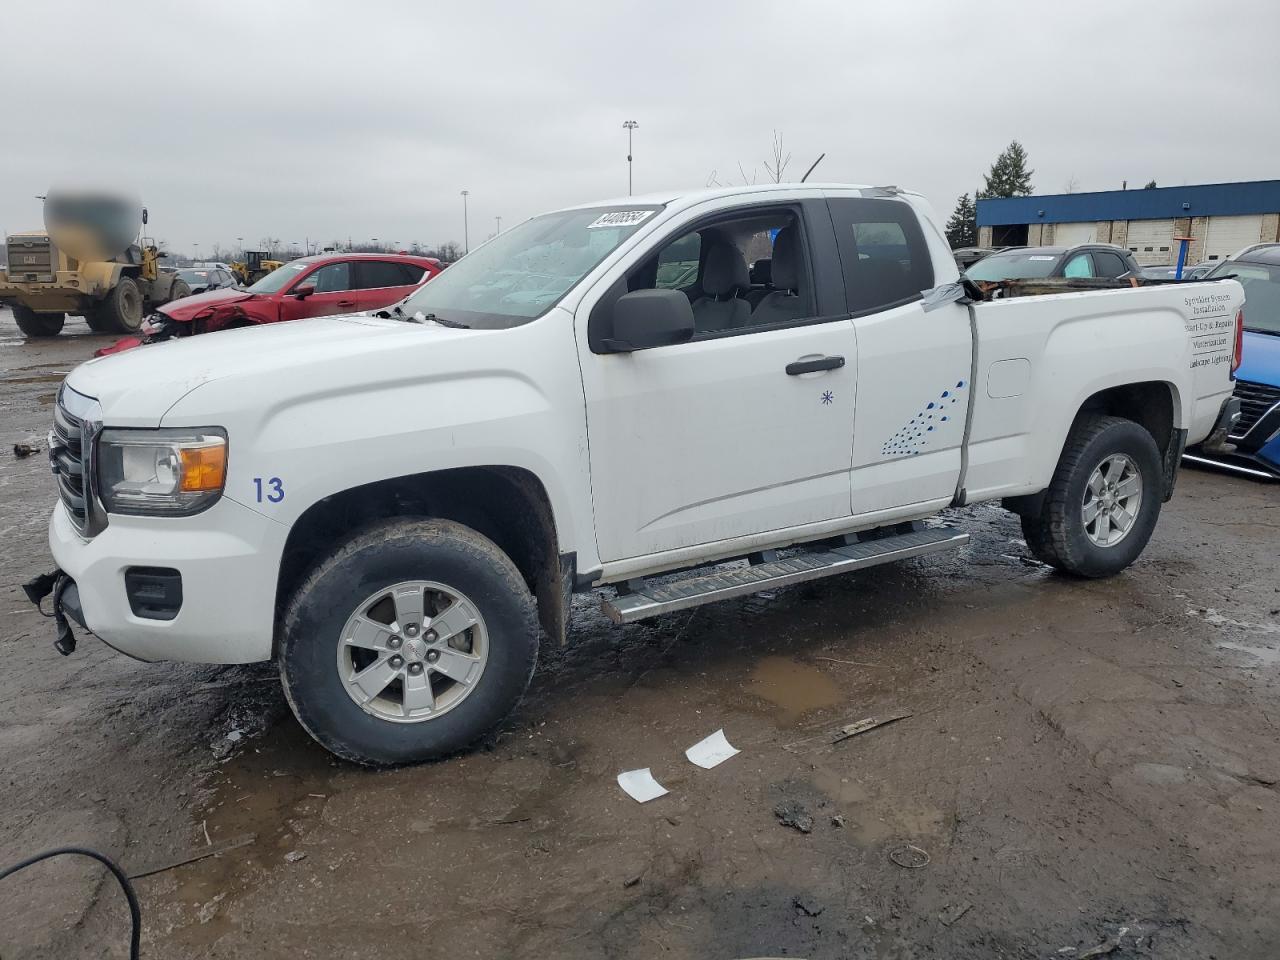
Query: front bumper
{"points": [[228, 556], [1255, 453]]}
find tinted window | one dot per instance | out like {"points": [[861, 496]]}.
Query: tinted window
{"points": [[382, 273], [883, 252], [1109, 264], [1261, 284], [332, 278], [1078, 266]]}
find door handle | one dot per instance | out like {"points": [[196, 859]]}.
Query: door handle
{"points": [[346, 303], [798, 367]]}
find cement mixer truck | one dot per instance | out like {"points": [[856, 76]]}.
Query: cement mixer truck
{"points": [[91, 260]]}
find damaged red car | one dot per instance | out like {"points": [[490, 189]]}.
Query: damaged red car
{"points": [[309, 287]]}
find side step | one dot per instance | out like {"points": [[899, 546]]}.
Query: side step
{"points": [[648, 600]]}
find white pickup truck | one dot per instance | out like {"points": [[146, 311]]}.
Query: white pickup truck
{"points": [[391, 506]]}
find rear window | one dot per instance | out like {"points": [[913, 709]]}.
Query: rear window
{"points": [[1013, 266], [1261, 284]]}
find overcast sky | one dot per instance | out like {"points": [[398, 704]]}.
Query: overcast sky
{"points": [[365, 119]]}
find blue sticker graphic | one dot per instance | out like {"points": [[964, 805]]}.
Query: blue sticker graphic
{"points": [[913, 437]]}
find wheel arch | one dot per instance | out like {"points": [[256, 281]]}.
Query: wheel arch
{"points": [[509, 505], [1152, 404]]}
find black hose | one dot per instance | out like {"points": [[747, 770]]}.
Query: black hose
{"points": [[135, 912]]}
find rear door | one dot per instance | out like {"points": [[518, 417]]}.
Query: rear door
{"points": [[382, 283], [913, 365], [333, 294]]}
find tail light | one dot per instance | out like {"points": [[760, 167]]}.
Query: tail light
{"points": [[1238, 355]]}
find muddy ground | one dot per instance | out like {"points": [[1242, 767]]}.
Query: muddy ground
{"points": [[1086, 765]]}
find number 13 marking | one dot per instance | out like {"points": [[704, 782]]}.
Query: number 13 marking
{"points": [[275, 489]]}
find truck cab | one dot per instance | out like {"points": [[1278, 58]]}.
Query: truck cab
{"points": [[625, 395]]}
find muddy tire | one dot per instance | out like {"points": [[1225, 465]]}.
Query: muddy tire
{"points": [[408, 643], [1102, 505], [38, 324], [96, 321], [178, 291], [121, 311]]}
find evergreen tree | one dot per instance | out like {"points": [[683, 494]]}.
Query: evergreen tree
{"points": [[962, 228], [1151, 185], [1009, 176]]}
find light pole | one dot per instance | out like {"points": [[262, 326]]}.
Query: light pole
{"points": [[197, 246], [466, 233], [499, 219], [629, 126]]}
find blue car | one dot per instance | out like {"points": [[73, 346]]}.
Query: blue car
{"points": [[1255, 437]]}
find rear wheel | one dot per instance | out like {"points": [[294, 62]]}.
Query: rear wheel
{"points": [[38, 324], [1102, 505], [121, 309], [408, 643], [179, 290]]}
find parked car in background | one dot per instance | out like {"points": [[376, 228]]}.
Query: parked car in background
{"points": [[1039, 263], [1169, 271], [204, 279], [1252, 445], [318, 286], [966, 257]]}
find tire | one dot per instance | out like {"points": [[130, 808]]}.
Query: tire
{"points": [[1105, 450], [318, 669], [38, 324], [97, 322], [179, 290], [122, 310]]}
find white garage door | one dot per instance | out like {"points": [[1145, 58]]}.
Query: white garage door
{"points": [[1229, 234], [1151, 242], [1071, 234]]}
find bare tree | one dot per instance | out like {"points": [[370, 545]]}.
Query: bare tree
{"points": [[779, 166], [745, 181], [1072, 184]]}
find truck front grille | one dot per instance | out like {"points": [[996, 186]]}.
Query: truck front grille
{"points": [[1255, 400], [76, 424], [66, 458], [30, 258]]}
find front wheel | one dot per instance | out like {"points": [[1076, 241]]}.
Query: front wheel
{"points": [[1102, 505], [408, 643], [38, 324]]}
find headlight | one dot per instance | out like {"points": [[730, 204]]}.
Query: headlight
{"points": [[161, 472]]}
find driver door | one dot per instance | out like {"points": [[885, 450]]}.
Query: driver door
{"points": [[334, 293], [716, 438]]}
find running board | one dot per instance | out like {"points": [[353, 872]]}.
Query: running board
{"points": [[648, 600]]}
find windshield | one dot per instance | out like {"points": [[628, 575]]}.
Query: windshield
{"points": [[278, 279], [1261, 284], [523, 273], [1013, 266]]}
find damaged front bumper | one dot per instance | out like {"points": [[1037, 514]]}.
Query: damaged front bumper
{"points": [[66, 606]]}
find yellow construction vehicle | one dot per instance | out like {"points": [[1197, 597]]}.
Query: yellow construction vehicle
{"points": [[255, 265], [91, 260]]}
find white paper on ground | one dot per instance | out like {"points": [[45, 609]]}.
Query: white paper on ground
{"points": [[640, 785], [711, 752]]}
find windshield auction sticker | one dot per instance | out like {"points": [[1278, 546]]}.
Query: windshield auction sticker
{"points": [[619, 218]]}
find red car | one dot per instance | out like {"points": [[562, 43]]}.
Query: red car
{"points": [[310, 287]]}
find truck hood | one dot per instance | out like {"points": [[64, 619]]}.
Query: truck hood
{"points": [[186, 308], [137, 387], [1261, 358]]}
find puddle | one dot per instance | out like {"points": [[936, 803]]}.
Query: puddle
{"points": [[795, 688], [1267, 655]]}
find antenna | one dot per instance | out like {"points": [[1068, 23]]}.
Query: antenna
{"points": [[810, 170]]}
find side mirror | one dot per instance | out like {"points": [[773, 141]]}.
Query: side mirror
{"points": [[304, 291], [650, 318]]}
